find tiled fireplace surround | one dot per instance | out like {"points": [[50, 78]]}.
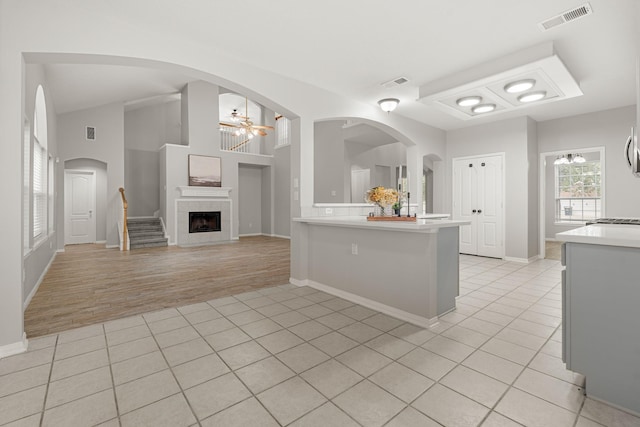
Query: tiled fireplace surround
{"points": [[202, 199]]}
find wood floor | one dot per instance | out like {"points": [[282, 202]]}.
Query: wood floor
{"points": [[89, 284]]}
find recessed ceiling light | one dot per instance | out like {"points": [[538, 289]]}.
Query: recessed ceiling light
{"points": [[519, 86], [484, 108], [532, 96], [469, 101]]}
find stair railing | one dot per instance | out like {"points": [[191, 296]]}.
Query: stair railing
{"points": [[125, 232]]}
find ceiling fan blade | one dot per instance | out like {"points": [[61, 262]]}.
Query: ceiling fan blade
{"points": [[261, 132], [231, 125], [262, 127]]}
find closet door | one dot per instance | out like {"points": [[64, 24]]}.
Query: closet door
{"points": [[478, 198], [464, 202], [489, 207]]}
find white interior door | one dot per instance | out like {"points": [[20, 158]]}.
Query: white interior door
{"points": [[478, 197], [489, 207], [360, 183], [464, 202], [79, 207]]}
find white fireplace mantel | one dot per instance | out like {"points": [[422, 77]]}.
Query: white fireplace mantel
{"points": [[211, 192]]}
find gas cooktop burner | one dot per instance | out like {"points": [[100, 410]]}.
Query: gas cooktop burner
{"points": [[629, 221]]}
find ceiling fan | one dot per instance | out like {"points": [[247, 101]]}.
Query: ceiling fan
{"points": [[242, 125]]}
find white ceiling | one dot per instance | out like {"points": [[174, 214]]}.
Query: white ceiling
{"points": [[351, 47]]}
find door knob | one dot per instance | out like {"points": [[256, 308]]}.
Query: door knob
{"points": [[474, 211], [479, 210], [90, 213]]}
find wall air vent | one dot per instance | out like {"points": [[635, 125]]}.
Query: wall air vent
{"points": [[566, 16], [395, 82], [90, 133]]}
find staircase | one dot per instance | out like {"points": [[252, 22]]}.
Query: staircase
{"points": [[145, 233]]}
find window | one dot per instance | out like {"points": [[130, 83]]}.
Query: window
{"points": [[39, 180], [26, 199], [283, 131], [578, 191]]}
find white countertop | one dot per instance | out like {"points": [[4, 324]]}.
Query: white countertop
{"points": [[421, 225], [603, 234]]}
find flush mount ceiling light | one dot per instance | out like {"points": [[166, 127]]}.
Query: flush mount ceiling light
{"points": [[469, 101], [519, 86], [388, 104], [532, 96], [510, 83], [483, 108]]}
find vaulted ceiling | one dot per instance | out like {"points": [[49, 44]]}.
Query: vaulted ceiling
{"points": [[351, 47]]}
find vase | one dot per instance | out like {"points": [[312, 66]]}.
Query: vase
{"points": [[381, 210]]}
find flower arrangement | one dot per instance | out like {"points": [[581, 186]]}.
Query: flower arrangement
{"points": [[382, 197]]}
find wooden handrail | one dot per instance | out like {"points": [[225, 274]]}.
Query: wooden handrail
{"points": [[124, 219]]}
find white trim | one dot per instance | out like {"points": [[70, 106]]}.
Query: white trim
{"points": [[421, 321], [522, 260], [280, 236], [211, 192], [542, 189], [112, 246], [252, 235], [100, 242], [27, 301], [15, 348], [175, 216], [503, 203]]}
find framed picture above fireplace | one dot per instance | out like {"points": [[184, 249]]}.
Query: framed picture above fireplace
{"points": [[204, 171]]}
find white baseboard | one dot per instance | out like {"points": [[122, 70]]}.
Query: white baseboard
{"points": [[15, 348], [100, 242], [421, 321], [251, 235], [522, 260], [280, 236], [112, 246], [27, 301]]}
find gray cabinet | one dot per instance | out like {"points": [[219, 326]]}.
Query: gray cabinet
{"points": [[601, 320]]}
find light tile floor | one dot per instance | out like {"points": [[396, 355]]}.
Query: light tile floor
{"points": [[296, 356]]}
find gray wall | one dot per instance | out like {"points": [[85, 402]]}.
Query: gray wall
{"points": [[267, 200], [199, 105], [533, 202], [608, 129], [36, 260], [147, 129], [250, 199], [328, 161], [282, 192], [107, 148], [511, 137]]}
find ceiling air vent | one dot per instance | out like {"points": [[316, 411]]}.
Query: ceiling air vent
{"points": [[566, 16], [395, 82], [90, 134]]}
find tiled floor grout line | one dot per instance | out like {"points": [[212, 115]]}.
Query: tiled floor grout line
{"points": [[113, 382], [164, 357], [531, 280], [46, 391]]}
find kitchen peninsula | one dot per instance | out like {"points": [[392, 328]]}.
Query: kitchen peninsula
{"points": [[601, 338], [409, 270]]}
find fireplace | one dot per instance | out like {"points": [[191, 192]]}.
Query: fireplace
{"points": [[204, 222]]}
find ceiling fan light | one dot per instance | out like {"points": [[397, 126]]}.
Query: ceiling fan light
{"points": [[250, 135], [483, 108], [532, 96], [237, 132], [519, 86], [254, 131], [388, 104], [469, 101]]}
